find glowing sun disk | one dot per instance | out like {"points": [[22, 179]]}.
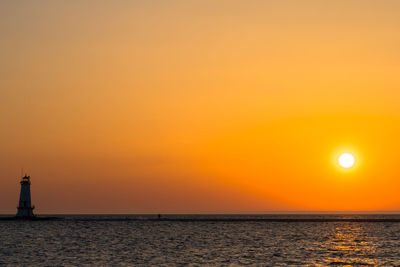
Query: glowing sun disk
{"points": [[346, 160]]}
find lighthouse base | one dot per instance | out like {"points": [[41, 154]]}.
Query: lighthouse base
{"points": [[25, 212]]}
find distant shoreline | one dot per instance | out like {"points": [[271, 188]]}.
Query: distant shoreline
{"points": [[287, 220], [36, 218], [194, 218]]}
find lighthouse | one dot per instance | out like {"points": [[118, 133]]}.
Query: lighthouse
{"points": [[25, 208]]}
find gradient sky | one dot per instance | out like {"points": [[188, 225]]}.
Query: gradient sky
{"points": [[200, 106]]}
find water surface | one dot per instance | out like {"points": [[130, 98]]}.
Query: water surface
{"points": [[130, 240]]}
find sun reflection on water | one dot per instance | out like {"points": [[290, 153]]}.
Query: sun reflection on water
{"points": [[349, 245]]}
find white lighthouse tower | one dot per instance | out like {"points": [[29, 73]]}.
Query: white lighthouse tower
{"points": [[25, 208]]}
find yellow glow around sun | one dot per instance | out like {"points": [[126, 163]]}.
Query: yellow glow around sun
{"points": [[346, 160]]}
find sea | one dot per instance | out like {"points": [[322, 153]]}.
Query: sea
{"points": [[202, 240]]}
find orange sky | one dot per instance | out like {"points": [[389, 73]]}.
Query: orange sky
{"points": [[200, 106]]}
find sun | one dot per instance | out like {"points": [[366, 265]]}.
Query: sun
{"points": [[346, 160]]}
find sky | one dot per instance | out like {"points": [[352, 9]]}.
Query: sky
{"points": [[200, 106]]}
